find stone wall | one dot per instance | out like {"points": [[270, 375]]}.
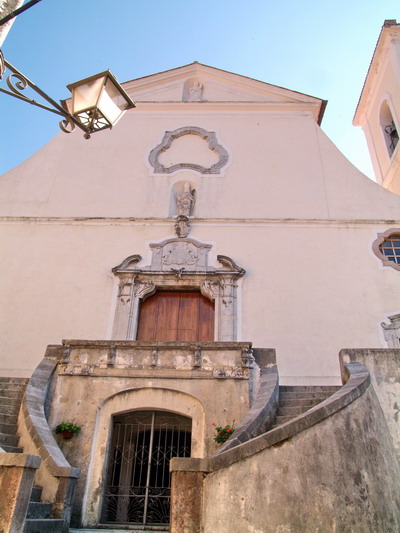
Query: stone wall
{"points": [[17, 472], [339, 475], [97, 379], [384, 368]]}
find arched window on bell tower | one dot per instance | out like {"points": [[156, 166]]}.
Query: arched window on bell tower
{"points": [[389, 127]]}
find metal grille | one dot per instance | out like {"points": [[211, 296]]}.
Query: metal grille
{"points": [[138, 481]]}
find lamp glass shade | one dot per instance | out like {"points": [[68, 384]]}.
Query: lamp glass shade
{"points": [[112, 103], [86, 94], [99, 101]]}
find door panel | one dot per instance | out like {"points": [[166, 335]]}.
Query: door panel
{"points": [[188, 316], [148, 320], [176, 316], [206, 320], [167, 314]]}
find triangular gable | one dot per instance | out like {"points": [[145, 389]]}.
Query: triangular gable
{"points": [[214, 85]]}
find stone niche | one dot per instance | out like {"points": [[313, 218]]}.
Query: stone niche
{"points": [[177, 264]]}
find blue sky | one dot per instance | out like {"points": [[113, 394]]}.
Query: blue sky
{"points": [[319, 48]]}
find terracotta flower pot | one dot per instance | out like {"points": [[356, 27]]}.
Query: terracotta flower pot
{"points": [[67, 434]]}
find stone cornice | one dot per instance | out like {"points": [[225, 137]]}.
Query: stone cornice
{"points": [[198, 222], [301, 109]]}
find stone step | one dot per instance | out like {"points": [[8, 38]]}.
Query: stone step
{"points": [[39, 525], [10, 409], [11, 449], [306, 402], [36, 494], [279, 420], [304, 395], [10, 440], [309, 388], [15, 381], [10, 400], [130, 529], [8, 419], [39, 510], [296, 400], [293, 410], [12, 392], [9, 429]]}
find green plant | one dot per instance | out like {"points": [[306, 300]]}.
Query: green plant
{"points": [[68, 426], [223, 433]]}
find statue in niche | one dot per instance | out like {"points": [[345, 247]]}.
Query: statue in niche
{"points": [[195, 92], [184, 204], [185, 200]]}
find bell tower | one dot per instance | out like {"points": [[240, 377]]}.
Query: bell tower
{"points": [[378, 110]]}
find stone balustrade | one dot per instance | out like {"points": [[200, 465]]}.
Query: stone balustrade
{"points": [[221, 360]]}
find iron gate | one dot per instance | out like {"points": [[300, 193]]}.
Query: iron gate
{"points": [[138, 479]]}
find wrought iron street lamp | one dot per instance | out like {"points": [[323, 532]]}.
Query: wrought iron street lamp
{"points": [[97, 102]]}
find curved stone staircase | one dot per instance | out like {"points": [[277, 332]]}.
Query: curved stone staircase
{"points": [[296, 400], [11, 392], [298, 433], [38, 518]]}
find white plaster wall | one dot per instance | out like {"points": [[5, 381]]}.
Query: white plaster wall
{"points": [[280, 167], [310, 289]]}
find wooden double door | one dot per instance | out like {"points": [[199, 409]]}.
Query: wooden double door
{"points": [[176, 316]]}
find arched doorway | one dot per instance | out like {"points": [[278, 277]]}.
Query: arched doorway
{"points": [[176, 316], [138, 477]]}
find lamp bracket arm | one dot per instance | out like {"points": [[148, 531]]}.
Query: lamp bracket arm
{"points": [[30, 101], [17, 82], [21, 82]]}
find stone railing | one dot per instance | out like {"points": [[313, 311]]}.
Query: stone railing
{"points": [[186, 506], [262, 414], [221, 360], [384, 366], [55, 474]]}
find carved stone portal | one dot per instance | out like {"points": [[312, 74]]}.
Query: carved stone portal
{"points": [[177, 264]]}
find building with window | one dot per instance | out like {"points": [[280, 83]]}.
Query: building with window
{"points": [[378, 110], [189, 271]]}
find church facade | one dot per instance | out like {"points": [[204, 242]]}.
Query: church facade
{"points": [[175, 275]]}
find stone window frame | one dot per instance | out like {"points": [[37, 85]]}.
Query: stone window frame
{"points": [[217, 284], [379, 241], [170, 136], [389, 121]]}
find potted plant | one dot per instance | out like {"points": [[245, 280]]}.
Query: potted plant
{"points": [[223, 433], [67, 429]]}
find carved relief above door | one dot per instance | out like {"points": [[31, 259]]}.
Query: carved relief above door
{"points": [[177, 265]]}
